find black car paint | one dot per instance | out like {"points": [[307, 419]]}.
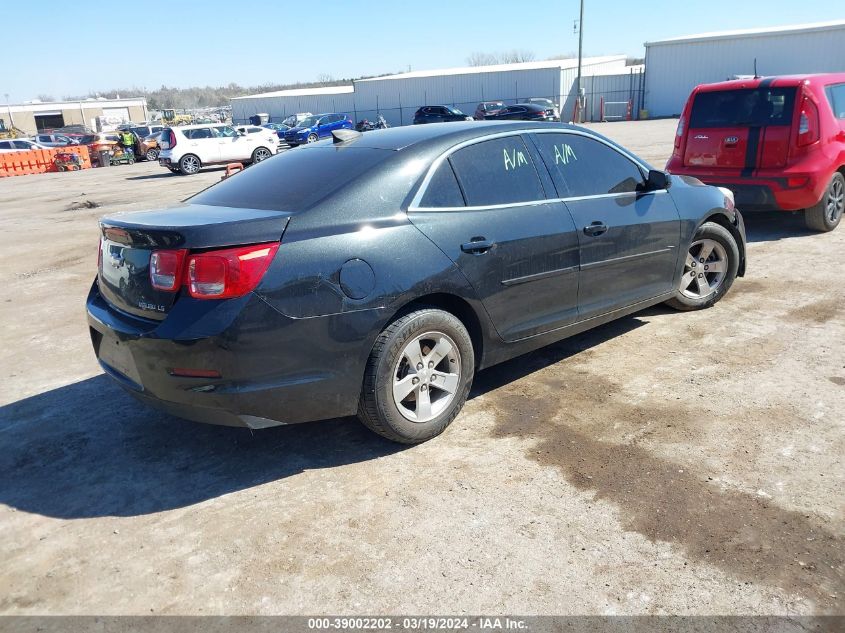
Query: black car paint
{"points": [[294, 350], [521, 112]]}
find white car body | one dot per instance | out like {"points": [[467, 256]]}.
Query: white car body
{"points": [[266, 133], [18, 145], [212, 144]]}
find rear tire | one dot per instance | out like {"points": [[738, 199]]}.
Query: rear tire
{"points": [[825, 215], [712, 262], [418, 376], [189, 164], [261, 153], [151, 155]]}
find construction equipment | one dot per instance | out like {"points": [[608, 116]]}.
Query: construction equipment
{"points": [[13, 132], [169, 117]]}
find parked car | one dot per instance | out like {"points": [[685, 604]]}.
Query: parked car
{"points": [[329, 281], [487, 107], [546, 103], [149, 147], [439, 114], [186, 149], [523, 112], [268, 135], [143, 131], [776, 142], [278, 128], [295, 119], [19, 145], [55, 140], [100, 142], [316, 127]]}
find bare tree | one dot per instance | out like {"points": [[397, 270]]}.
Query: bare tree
{"points": [[482, 59], [516, 56], [325, 78], [569, 55], [46, 97]]}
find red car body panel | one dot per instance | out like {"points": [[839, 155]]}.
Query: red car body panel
{"points": [[785, 163]]}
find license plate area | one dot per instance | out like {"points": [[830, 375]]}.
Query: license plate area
{"points": [[118, 357]]}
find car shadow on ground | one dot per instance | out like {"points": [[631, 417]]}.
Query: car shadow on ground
{"points": [[770, 226], [88, 449], [168, 174]]}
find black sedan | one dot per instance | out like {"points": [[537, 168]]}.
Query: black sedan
{"points": [[524, 112], [374, 275], [439, 114]]}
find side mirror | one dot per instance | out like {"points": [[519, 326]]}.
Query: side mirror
{"points": [[657, 180]]}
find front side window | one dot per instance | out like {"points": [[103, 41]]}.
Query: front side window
{"points": [[225, 131], [22, 145], [498, 171], [443, 190], [582, 166], [836, 97]]}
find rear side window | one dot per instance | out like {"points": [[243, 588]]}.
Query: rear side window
{"points": [[836, 97], [581, 166], [199, 133], [443, 189], [743, 108], [498, 171], [293, 181], [5, 145]]}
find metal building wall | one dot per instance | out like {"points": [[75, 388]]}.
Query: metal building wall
{"points": [[398, 99], [283, 106], [567, 82], [673, 69]]}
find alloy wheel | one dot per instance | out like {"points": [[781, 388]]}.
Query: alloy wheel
{"points": [[835, 200], [190, 164], [704, 270], [261, 154], [426, 377], [312, 138]]}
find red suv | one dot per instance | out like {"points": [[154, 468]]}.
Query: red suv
{"points": [[776, 142]]}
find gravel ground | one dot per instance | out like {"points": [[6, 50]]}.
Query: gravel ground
{"points": [[684, 463]]}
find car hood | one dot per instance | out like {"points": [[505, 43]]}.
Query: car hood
{"points": [[297, 130]]}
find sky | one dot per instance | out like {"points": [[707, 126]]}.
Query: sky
{"points": [[215, 42]]}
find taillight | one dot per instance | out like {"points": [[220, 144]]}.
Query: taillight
{"points": [[808, 123], [171, 138], [100, 256], [166, 269], [679, 133], [227, 273]]}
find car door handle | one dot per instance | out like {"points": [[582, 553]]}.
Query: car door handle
{"points": [[478, 246], [595, 228]]}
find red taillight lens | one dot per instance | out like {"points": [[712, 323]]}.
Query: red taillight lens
{"points": [[171, 138], [679, 133], [808, 123], [166, 269], [230, 272]]}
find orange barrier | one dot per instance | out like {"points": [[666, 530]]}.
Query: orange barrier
{"points": [[40, 161]]}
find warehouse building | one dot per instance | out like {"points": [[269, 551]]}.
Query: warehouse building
{"points": [[97, 114], [675, 66], [282, 103], [397, 97]]}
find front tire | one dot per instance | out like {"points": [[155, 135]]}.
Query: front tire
{"points": [[827, 213], [418, 376], [712, 262], [151, 154], [312, 138], [189, 164]]}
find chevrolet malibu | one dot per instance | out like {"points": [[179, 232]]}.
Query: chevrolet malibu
{"points": [[375, 274]]}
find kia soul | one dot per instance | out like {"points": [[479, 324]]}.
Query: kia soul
{"points": [[777, 142]]}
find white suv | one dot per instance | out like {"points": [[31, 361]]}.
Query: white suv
{"points": [[187, 148]]}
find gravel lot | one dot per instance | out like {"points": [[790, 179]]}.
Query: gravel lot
{"points": [[665, 463]]}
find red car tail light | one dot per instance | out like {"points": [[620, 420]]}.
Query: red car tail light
{"points": [[808, 123], [166, 269], [679, 133], [171, 139], [230, 272]]}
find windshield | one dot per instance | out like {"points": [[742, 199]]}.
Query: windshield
{"points": [[742, 108], [309, 122], [292, 181]]}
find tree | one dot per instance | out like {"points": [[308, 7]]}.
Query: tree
{"points": [[515, 56], [481, 59], [46, 97]]}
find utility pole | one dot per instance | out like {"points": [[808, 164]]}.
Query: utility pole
{"points": [[580, 49]]}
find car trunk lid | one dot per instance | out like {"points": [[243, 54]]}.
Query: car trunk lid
{"points": [[740, 129], [128, 241]]}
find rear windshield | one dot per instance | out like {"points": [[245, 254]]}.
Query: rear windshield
{"points": [[293, 180], [743, 108]]}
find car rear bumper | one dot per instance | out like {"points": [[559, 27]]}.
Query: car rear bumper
{"points": [[273, 369], [768, 190]]}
